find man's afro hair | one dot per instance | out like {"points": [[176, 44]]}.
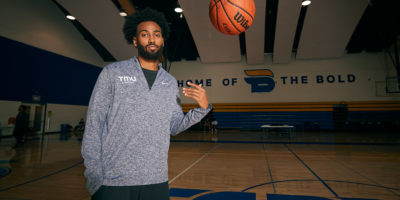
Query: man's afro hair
{"points": [[147, 14]]}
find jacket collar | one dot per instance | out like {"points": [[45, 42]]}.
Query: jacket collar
{"points": [[137, 64]]}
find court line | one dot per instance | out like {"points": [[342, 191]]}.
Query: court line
{"points": [[356, 172], [309, 169], [306, 180], [269, 168], [41, 177], [193, 164], [269, 142]]}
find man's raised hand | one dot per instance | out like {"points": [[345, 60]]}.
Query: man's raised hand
{"points": [[197, 93]]}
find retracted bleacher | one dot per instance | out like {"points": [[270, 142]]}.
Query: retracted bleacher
{"points": [[307, 115]]}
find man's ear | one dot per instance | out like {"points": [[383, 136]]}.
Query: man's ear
{"points": [[134, 40]]}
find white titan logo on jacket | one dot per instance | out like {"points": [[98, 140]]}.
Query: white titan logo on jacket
{"points": [[127, 79]]}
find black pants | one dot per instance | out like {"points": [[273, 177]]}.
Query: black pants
{"points": [[19, 136], [142, 192]]}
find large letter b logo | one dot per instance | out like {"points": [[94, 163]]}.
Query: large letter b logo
{"points": [[260, 80], [262, 84]]}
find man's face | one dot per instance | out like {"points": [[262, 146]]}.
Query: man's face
{"points": [[149, 40]]}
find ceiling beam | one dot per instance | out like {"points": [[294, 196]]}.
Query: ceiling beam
{"points": [[101, 18], [255, 35], [328, 26], [285, 29]]}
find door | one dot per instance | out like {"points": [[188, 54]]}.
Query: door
{"points": [[35, 113]]}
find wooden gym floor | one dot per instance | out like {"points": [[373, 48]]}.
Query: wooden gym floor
{"points": [[234, 165]]}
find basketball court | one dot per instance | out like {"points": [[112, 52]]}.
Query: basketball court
{"points": [[234, 165], [307, 101]]}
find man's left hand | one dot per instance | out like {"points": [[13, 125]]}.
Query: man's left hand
{"points": [[197, 93]]}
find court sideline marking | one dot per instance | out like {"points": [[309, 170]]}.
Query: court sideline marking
{"points": [[355, 171], [315, 174], [42, 177], [269, 167], [193, 164]]}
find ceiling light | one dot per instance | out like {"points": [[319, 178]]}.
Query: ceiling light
{"points": [[70, 17], [123, 14], [178, 10], [306, 2]]}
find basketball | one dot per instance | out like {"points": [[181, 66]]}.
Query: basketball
{"points": [[232, 17]]}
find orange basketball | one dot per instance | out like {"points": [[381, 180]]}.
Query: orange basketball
{"points": [[232, 17]]}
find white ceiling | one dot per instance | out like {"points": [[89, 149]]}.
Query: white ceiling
{"points": [[101, 18], [328, 26], [327, 29]]}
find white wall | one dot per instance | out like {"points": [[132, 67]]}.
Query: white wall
{"points": [[8, 109], [368, 69], [64, 114], [41, 24], [60, 114]]}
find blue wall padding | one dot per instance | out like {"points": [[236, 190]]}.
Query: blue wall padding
{"points": [[27, 71]]}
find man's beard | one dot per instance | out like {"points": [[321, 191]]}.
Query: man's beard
{"points": [[150, 55]]}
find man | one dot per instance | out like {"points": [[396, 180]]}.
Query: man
{"points": [[21, 126], [133, 110]]}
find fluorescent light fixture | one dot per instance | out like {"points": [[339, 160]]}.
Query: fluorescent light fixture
{"points": [[306, 2], [178, 10], [123, 14], [70, 17]]}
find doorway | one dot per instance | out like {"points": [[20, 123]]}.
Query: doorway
{"points": [[36, 117]]}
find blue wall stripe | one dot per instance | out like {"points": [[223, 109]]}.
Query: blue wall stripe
{"points": [[309, 120], [28, 70]]}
